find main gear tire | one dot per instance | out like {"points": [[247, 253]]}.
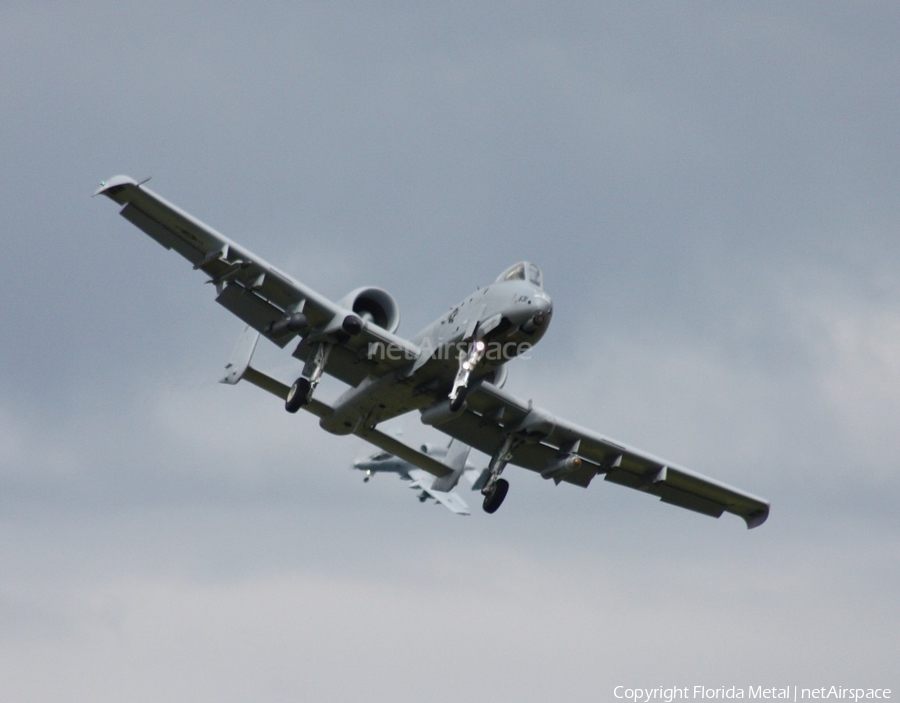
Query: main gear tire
{"points": [[494, 499], [298, 395]]}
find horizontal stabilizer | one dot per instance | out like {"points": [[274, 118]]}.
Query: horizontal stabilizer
{"points": [[239, 368], [424, 482]]}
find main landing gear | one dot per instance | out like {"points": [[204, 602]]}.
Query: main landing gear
{"points": [[467, 364], [496, 488], [302, 389]]}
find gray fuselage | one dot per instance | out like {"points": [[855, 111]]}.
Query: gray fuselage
{"points": [[510, 316]]}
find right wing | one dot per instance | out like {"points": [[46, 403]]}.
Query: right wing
{"points": [[563, 451], [254, 290]]}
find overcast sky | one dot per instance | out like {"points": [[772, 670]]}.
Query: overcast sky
{"points": [[711, 191]]}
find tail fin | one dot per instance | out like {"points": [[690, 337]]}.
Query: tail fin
{"points": [[238, 367], [457, 454], [240, 358]]}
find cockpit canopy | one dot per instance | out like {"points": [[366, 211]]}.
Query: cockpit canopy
{"points": [[523, 271]]}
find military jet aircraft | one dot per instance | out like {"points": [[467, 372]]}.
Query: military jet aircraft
{"points": [[429, 487], [452, 372]]}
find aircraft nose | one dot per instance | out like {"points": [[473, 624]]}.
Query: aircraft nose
{"points": [[543, 310], [540, 310]]}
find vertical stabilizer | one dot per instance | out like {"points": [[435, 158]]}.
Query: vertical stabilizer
{"points": [[240, 358], [457, 454]]}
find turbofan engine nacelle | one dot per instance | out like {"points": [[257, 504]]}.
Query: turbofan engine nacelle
{"points": [[374, 305]]}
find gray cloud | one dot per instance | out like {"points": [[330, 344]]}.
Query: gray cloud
{"points": [[711, 194]]}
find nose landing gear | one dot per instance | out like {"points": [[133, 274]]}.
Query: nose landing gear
{"points": [[496, 488], [467, 364]]}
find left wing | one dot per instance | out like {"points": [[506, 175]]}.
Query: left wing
{"points": [[423, 481], [560, 450], [254, 290]]}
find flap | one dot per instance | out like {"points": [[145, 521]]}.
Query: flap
{"points": [[254, 290], [544, 442]]}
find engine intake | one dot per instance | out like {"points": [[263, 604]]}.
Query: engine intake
{"points": [[374, 305]]}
